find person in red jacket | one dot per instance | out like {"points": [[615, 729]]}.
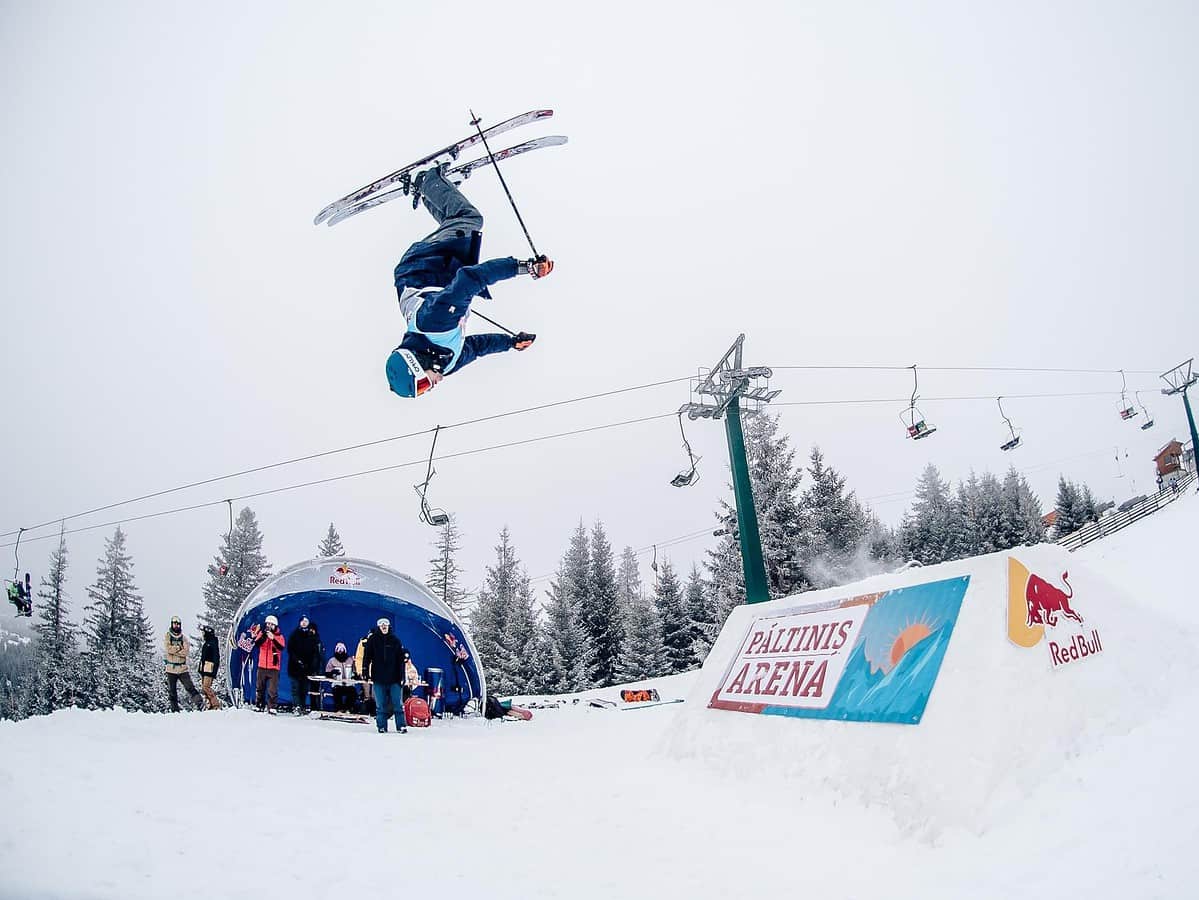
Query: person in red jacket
{"points": [[270, 645]]}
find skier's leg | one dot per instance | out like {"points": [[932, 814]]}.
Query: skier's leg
{"points": [[173, 690], [397, 699], [380, 693], [260, 689], [456, 216]]}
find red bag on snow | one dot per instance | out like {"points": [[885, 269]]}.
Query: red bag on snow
{"points": [[416, 712]]}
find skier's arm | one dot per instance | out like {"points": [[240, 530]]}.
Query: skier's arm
{"points": [[468, 282], [477, 345]]}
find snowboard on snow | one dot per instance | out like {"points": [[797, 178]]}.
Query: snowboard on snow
{"points": [[639, 695], [449, 153]]}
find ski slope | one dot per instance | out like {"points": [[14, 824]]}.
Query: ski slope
{"points": [[671, 801]]}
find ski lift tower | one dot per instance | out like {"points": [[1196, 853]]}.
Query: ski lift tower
{"points": [[1180, 378], [720, 393]]}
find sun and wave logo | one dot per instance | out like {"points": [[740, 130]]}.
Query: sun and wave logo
{"points": [[345, 576], [1036, 603]]}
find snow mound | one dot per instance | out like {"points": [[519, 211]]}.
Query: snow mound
{"points": [[1001, 720]]}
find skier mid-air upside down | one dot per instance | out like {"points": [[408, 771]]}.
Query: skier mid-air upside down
{"points": [[436, 280]]}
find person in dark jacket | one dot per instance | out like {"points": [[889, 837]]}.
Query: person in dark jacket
{"points": [[210, 664], [303, 647], [383, 661], [436, 280]]}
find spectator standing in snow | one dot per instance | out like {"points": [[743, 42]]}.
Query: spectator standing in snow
{"points": [[318, 661], [210, 664], [302, 646], [341, 667], [384, 662], [270, 646], [175, 650]]}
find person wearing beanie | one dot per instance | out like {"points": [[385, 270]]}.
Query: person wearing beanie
{"points": [[175, 649]]}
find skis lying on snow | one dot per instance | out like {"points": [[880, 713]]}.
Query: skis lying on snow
{"points": [[600, 703], [652, 703], [458, 174], [448, 153]]}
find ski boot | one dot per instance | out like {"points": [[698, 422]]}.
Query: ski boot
{"points": [[413, 186]]}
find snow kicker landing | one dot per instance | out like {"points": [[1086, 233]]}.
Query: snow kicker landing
{"points": [[944, 693]]}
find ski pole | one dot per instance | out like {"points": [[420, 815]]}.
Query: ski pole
{"points": [[475, 120], [493, 321]]}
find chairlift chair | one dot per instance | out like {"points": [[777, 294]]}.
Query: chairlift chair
{"points": [[1148, 423], [912, 417], [691, 476], [1127, 410], [1014, 441], [430, 515]]}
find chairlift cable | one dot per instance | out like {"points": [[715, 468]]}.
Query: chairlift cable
{"points": [[388, 468], [350, 448]]}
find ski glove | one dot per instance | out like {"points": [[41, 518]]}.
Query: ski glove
{"points": [[523, 340], [538, 266]]}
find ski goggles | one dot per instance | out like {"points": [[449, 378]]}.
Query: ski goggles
{"points": [[420, 378]]}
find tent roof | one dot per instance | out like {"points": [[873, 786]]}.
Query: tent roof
{"points": [[343, 573]]}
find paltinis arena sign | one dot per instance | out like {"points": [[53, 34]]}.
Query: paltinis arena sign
{"points": [[872, 658]]}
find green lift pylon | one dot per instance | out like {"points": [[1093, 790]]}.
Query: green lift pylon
{"points": [[726, 383], [1180, 378]]}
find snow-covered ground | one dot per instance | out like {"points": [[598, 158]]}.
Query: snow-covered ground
{"points": [[669, 801]]}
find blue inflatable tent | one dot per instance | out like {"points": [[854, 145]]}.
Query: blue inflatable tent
{"points": [[345, 597]]}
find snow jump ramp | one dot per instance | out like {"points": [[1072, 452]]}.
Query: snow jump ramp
{"points": [[944, 693]]}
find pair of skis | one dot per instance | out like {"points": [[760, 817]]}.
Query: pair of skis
{"points": [[400, 182]]}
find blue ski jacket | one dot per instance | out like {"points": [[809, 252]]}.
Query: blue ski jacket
{"points": [[436, 283]]}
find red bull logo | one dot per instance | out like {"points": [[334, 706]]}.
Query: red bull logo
{"points": [[1034, 604], [1046, 602], [345, 576]]}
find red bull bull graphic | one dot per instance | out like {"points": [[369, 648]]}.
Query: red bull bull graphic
{"points": [[1036, 603], [871, 658], [345, 576]]}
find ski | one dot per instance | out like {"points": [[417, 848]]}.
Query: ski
{"points": [[652, 703], [458, 174], [451, 151]]}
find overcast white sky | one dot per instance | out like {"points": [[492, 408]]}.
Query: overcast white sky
{"points": [[945, 184]]}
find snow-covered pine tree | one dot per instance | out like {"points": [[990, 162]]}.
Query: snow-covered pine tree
{"points": [[676, 628], [700, 615], [54, 681], [628, 582], [123, 666], [1086, 505], [567, 653], [643, 653], [330, 545], [966, 539], [519, 641], [244, 567], [600, 611], [727, 576], [503, 644], [571, 652], [1067, 508], [775, 481], [835, 524], [927, 534], [994, 532], [445, 574], [1024, 508], [881, 542]]}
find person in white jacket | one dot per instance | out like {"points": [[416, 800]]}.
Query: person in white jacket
{"points": [[341, 667]]}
